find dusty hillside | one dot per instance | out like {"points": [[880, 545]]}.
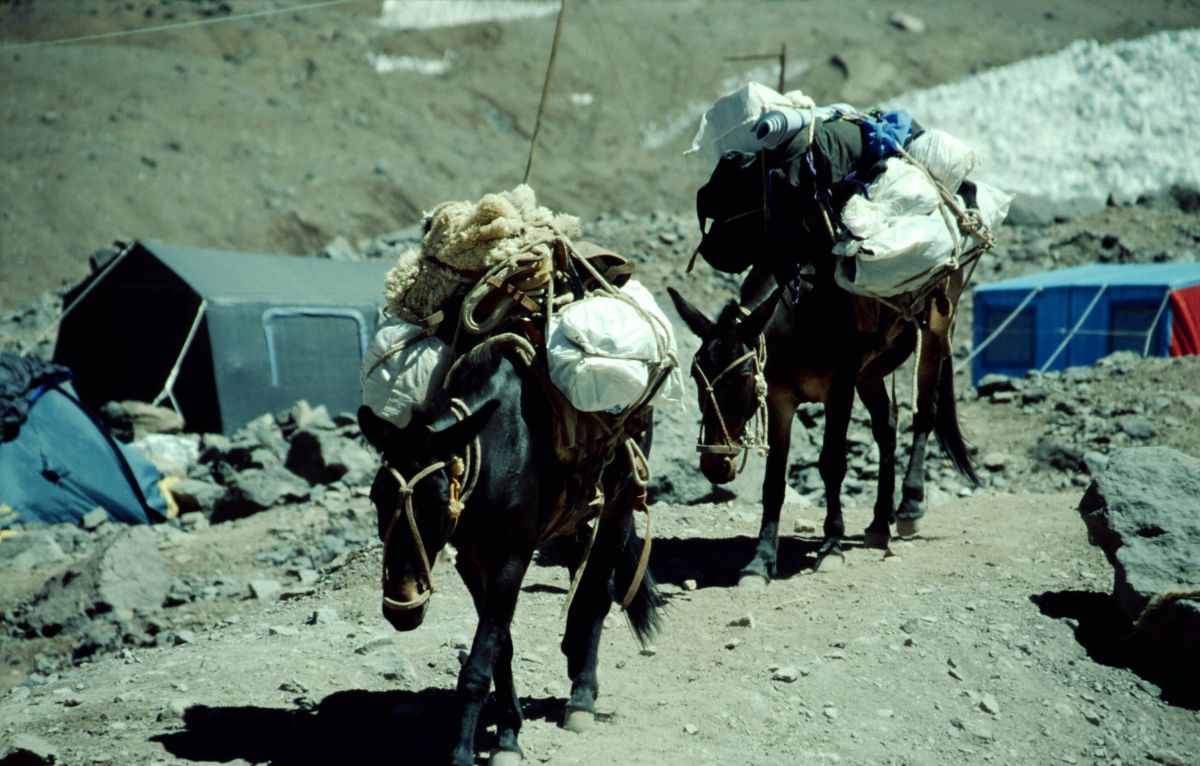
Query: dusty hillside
{"points": [[275, 134]]}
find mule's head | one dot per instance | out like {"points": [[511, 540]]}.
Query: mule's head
{"points": [[416, 494], [730, 382]]}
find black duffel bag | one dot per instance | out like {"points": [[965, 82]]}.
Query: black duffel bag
{"points": [[733, 200]]}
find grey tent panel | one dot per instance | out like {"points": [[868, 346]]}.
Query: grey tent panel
{"points": [[273, 279], [274, 329]]}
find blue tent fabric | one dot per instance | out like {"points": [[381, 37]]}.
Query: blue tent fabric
{"points": [[1075, 316], [61, 463]]}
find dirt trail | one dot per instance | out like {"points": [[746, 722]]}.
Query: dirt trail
{"points": [[969, 644]]}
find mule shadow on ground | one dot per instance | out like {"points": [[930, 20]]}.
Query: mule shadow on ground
{"points": [[718, 562], [346, 727], [1102, 630]]}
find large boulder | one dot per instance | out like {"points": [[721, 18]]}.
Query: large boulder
{"points": [[127, 577], [1143, 511]]}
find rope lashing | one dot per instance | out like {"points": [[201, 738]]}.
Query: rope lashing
{"points": [[404, 508], [640, 475]]}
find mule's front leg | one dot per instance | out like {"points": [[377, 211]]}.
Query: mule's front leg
{"points": [[591, 604], [492, 644], [781, 410], [883, 426], [832, 465]]}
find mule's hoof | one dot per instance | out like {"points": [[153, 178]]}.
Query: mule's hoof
{"points": [[752, 582], [505, 758], [908, 527], [579, 721], [876, 539], [830, 562]]}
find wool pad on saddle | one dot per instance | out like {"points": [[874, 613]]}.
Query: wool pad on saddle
{"points": [[601, 351]]}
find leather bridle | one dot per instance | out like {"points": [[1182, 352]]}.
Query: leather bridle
{"points": [[464, 472], [751, 438]]}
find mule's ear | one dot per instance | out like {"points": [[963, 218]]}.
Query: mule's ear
{"points": [[454, 438], [696, 322], [375, 429], [752, 326]]}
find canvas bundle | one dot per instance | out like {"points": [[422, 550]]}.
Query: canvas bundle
{"points": [[901, 234]]}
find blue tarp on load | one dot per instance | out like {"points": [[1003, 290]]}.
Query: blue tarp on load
{"points": [[1076, 316]]}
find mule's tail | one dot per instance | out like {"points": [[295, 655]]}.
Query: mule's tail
{"points": [[945, 424], [645, 610]]}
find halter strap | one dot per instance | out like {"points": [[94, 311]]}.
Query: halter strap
{"points": [[464, 472], [758, 359]]}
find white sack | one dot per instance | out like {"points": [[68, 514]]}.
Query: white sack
{"points": [[901, 190], [728, 124], [948, 159], [403, 380], [900, 253], [601, 350], [993, 203], [896, 259]]}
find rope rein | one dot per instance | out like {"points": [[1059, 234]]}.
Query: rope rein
{"points": [[464, 474], [755, 437]]}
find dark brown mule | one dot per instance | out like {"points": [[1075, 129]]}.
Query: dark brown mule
{"points": [[477, 467], [821, 345]]}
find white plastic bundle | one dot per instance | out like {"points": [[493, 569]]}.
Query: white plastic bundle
{"points": [[900, 250], [601, 351], [399, 368], [948, 159], [902, 190]]}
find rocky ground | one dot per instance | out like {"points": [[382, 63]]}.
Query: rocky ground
{"points": [[248, 630], [991, 638]]}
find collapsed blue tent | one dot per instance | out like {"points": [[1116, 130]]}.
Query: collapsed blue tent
{"points": [[57, 461], [1073, 317]]}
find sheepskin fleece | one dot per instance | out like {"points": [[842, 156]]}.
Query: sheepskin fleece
{"points": [[464, 239]]}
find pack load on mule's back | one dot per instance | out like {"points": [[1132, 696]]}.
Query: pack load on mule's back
{"points": [[503, 266], [888, 201]]}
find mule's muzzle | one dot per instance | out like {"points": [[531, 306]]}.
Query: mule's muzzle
{"points": [[404, 606], [719, 468]]}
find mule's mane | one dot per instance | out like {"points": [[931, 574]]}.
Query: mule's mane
{"points": [[475, 368]]}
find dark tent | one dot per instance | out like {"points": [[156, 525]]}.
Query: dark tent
{"points": [[1073, 317], [224, 337], [57, 462]]}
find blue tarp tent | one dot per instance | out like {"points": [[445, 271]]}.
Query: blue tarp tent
{"points": [[1073, 317], [57, 462]]}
